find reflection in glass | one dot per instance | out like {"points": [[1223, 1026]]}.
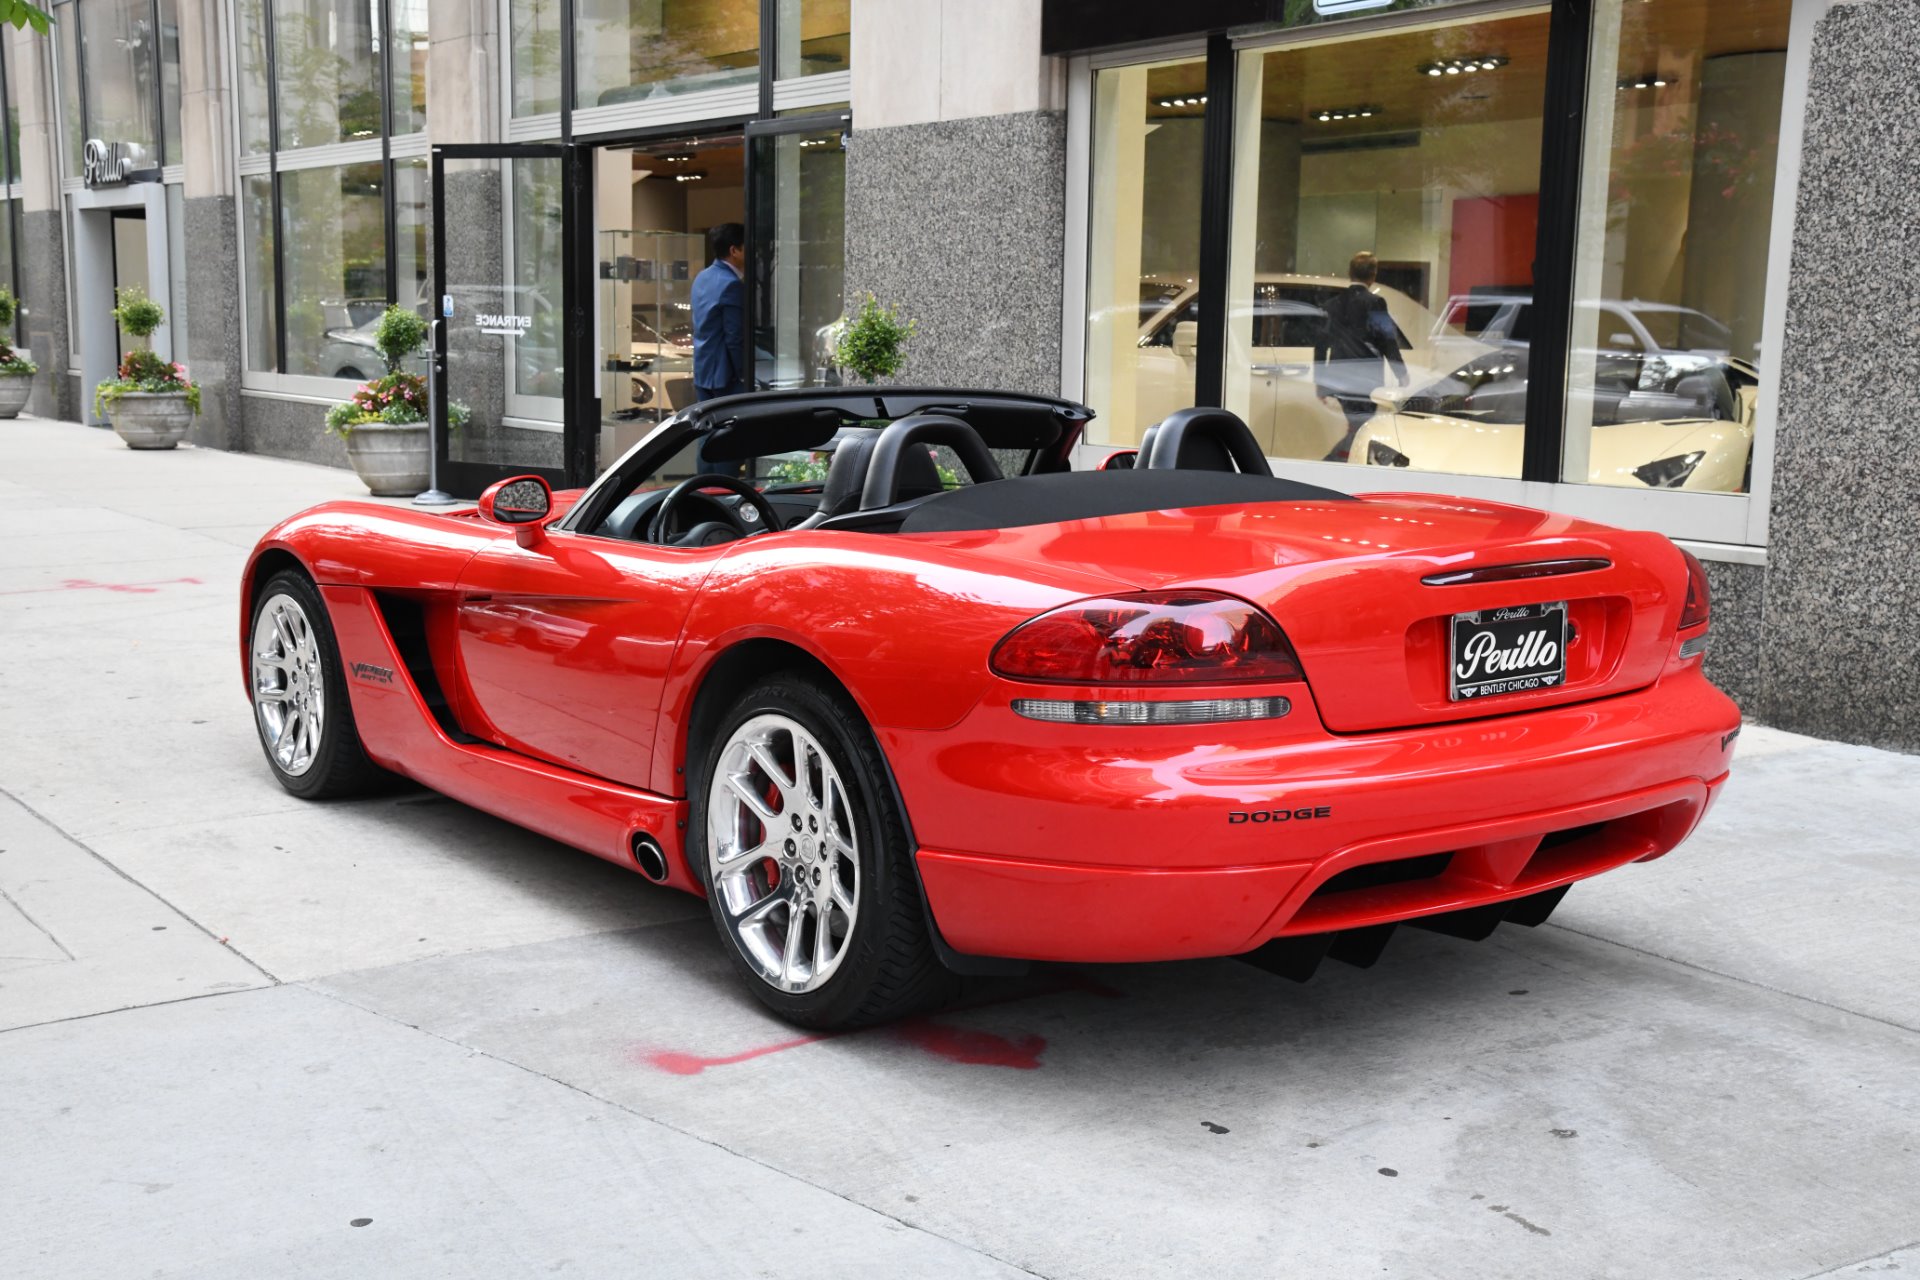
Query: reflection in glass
{"points": [[1676, 214], [815, 37], [256, 261], [1144, 250], [335, 260], [326, 72], [628, 50], [409, 60], [535, 67], [119, 46], [10, 73], [412, 218], [170, 79], [66, 36], [1383, 186], [535, 293], [801, 264], [250, 59]]}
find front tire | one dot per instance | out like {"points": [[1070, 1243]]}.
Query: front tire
{"points": [[300, 705], [804, 850]]}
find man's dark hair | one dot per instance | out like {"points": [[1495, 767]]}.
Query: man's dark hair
{"points": [[1364, 268], [722, 239]]}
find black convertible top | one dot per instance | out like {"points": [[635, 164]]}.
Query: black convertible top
{"points": [[1084, 495]]}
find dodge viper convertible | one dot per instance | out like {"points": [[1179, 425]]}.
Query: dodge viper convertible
{"points": [[941, 704]]}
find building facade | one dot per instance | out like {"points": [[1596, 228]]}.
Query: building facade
{"points": [[1645, 262]]}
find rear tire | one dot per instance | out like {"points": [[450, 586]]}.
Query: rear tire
{"points": [[301, 710], [804, 851]]}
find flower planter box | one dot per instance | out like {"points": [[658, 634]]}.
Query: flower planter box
{"points": [[390, 458], [151, 419], [14, 390]]}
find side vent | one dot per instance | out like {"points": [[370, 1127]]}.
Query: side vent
{"points": [[407, 623]]}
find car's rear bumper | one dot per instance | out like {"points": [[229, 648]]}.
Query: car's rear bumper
{"points": [[1148, 848]]}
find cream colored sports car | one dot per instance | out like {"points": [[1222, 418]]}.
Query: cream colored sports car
{"points": [[1668, 420]]}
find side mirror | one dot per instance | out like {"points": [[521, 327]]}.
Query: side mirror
{"points": [[1622, 340], [524, 502], [1124, 460], [1186, 339]]}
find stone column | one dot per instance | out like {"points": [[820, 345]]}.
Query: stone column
{"points": [[41, 250], [956, 187], [1843, 576], [213, 356]]}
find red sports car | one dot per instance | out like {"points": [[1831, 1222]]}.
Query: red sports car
{"points": [[903, 696]]}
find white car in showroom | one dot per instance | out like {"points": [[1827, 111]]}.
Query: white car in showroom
{"points": [[1665, 415], [1289, 409]]}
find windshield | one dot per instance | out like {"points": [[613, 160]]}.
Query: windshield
{"points": [[1681, 329]]}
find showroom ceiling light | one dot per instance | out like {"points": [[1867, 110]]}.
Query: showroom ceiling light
{"points": [[694, 175], [1198, 100], [1652, 80], [1464, 66], [816, 142], [1327, 115], [681, 158]]}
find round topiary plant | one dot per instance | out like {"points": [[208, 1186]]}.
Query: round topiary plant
{"points": [[872, 344], [399, 334], [136, 313]]}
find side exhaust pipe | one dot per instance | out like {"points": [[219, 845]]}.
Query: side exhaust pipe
{"points": [[649, 857]]}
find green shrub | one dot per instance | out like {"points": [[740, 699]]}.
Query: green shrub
{"points": [[136, 313], [399, 334], [871, 345]]}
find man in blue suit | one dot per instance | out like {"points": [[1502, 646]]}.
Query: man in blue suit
{"points": [[719, 322]]}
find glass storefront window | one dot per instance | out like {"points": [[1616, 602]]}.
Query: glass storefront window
{"points": [[1676, 213], [535, 68], [815, 38], [256, 264], [326, 72], [333, 221], [170, 79], [1386, 211], [66, 36], [409, 59], [629, 50], [801, 196], [1144, 251], [251, 61], [7, 73], [118, 47]]}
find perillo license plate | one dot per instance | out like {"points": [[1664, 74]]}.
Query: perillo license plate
{"points": [[1509, 650]]}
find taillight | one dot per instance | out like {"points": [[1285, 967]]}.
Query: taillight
{"points": [[1695, 612], [1156, 637]]}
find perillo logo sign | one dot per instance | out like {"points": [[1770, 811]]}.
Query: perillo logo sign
{"points": [[103, 164], [1483, 655]]}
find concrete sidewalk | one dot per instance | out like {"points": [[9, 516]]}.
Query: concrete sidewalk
{"points": [[245, 1036]]}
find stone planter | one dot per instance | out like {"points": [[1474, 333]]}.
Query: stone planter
{"points": [[14, 390], [151, 419], [391, 458]]}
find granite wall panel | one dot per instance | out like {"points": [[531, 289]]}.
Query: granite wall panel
{"points": [[959, 223], [291, 429], [1838, 657], [43, 288], [1733, 659], [213, 321]]}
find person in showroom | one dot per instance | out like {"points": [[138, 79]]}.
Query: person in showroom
{"points": [[1357, 349], [719, 323]]}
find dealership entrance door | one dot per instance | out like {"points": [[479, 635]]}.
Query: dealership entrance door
{"points": [[514, 397]]}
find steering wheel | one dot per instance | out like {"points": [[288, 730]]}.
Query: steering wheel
{"points": [[709, 531]]}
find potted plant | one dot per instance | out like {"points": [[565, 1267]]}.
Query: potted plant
{"points": [[385, 423], [151, 402], [871, 345], [16, 371]]}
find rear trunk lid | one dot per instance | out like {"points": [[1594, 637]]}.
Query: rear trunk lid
{"points": [[1363, 591]]}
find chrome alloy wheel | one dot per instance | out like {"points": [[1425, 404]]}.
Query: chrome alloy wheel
{"points": [[289, 688], [782, 856]]}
